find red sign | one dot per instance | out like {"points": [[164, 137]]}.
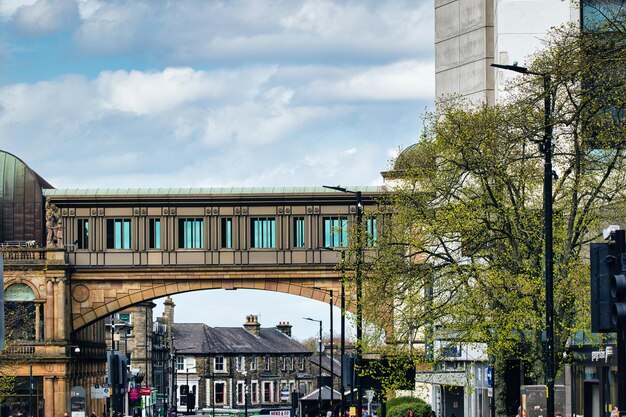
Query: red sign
{"points": [[133, 394], [145, 391]]}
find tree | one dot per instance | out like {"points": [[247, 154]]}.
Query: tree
{"points": [[460, 258]]}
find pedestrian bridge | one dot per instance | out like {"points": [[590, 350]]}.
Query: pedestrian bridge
{"points": [[125, 246]]}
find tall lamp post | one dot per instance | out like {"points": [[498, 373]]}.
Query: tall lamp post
{"points": [[545, 147], [332, 349], [319, 384], [359, 290], [343, 328]]}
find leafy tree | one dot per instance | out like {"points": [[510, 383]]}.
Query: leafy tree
{"points": [[461, 257], [399, 406]]}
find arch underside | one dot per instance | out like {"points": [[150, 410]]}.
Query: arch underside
{"points": [[98, 297]]}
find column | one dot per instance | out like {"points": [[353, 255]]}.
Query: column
{"points": [[48, 394], [61, 396], [61, 302], [49, 332], [37, 321]]}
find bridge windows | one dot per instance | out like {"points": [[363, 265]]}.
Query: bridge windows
{"points": [[263, 232], [191, 233], [335, 232], [118, 233], [82, 238], [226, 232], [371, 226], [298, 232], [154, 233]]}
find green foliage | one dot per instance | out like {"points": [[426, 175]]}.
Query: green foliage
{"points": [[464, 246], [399, 406]]}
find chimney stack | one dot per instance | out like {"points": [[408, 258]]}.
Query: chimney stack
{"points": [[284, 327], [252, 324]]}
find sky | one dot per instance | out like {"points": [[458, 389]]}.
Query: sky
{"points": [[203, 93]]}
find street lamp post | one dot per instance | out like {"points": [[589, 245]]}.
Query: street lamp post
{"points": [[359, 290], [332, 349], [546, 148], [319, 384]]}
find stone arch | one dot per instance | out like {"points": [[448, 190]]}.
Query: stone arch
{"points": [[22, 281], [312, 290]]}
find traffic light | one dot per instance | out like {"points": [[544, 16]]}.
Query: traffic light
{"points": [[600, 289], [608, 284]]}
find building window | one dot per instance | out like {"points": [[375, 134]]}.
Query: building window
{"points": [[301, 363], [291, 363], [335, 232], [218, 364], [180, 363], [298, 232], [220, 391], [190, 233], [227, 233], [254, 392], [283, 363], [241, 363], [253, 364], [82, 240], [118, 233], [240, 392], [19, 313], [267, 392], [263, 232], [371, 231], [154, 233], [266, 360]]}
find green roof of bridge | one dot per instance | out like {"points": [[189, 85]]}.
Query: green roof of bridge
{"points": [[202, 191]]}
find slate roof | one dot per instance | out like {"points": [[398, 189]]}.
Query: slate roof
{"points": [[326, 364], [202, 339]]}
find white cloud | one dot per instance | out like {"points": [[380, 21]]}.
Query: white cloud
{"points": [[407, 80], [45, 17], [9, 7], [188, 32]]}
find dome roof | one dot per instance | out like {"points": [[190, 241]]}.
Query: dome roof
{"points": [[21, 200]]}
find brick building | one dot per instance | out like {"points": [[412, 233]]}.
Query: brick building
{"points": [[216, 364]]}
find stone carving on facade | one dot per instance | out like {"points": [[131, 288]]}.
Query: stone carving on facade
{"points": [[54, 226]]}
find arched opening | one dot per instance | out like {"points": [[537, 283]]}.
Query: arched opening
{"points": [[22, 314]]}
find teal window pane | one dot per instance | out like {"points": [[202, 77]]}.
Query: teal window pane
{"points": [[298, 232], [264, 233], [126, 234], [372, 233], [157, 234]]}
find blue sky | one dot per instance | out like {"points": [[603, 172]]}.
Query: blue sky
{"points": [[200, 93]]}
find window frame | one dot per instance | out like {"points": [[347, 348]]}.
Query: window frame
{"points": [[222, 364], [122, 238], [188, 230], [154, 234], [335, 231], [82, 233], [226, 233], [263, 232], [299, 232]]}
